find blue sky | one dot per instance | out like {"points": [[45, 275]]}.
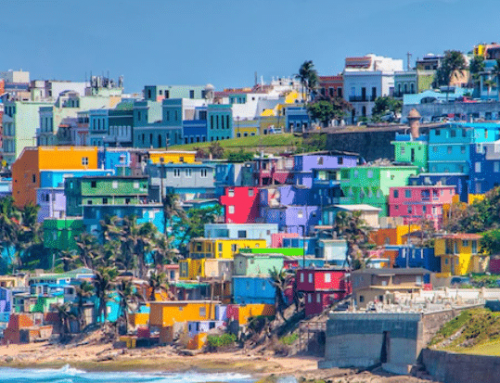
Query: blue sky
{"points": [[224, 42]]}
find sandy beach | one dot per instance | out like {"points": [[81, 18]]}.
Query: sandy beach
{"points": [[103, 357]]}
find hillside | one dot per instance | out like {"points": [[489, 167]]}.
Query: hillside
{"points": [[475, 331], [270, 143]]}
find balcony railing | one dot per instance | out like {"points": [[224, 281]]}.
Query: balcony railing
{"points": [[361, 98]]}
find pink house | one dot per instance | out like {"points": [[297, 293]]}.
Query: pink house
{"points": [[414, 203]]}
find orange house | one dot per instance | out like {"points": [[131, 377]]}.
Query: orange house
{"points": [[391, 236], [26, 170]]}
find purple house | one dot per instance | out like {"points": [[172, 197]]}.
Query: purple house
{"points": [[306, 163], [5, 305], [274, 196], [52, 202], [292, 219]]}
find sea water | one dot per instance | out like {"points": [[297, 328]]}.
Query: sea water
{"points": [[68, 374]]}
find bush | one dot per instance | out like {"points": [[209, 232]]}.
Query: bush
{"points": [[289, 339], [217, 341]]}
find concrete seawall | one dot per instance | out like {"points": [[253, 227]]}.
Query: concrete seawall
{"points": [[460, 368]]}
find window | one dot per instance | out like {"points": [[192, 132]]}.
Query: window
{"points": [[301, 277], [234, 248], [407, 193], [435, 149], [136, 185], [340, 160], [300, 214], [462, 149], [34, 178], [93, 184], [396, 193], [474, 247], [89, 202], [318, 297], [453, 133], [409, 210], [85, 161], [230, 193], [370, 174], [309, 298], [320, 160], [496, 166], [402, 150], [478, 167], [231, 209], [361, 299], [242, 233], [465, 243], [204, 173], [250, 192], [328, 277], [449, 149], [438, 132], [104, 201], [115, 184], [191, 94], [310, 278], [446, 261], [177, 173], [203, 311]]}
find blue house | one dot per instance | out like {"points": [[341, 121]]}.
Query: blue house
{"points": [[416, 257], [196, 130], [229, 174], [220, 122], [253, 290], [309, 244], [450, 146], [297, 119], [485, 167]]}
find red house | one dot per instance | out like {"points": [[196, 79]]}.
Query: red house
{"points": [[322, 287], [241, 204], [272, 170]]}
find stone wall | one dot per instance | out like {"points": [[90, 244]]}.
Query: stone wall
{"points": [[461, 368], [371, 144]]}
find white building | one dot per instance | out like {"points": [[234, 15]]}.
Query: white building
{"points": [[365, 79]]}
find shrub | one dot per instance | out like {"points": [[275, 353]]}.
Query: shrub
{"points": [[289, 339], [216, 341]]}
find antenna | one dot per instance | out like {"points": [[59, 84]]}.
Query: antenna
{"points": [[255, 78]]}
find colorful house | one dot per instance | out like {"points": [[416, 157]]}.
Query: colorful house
{"points": [[415, 203], [370, 184], [241, 230], [241, 204], [246, 264], [370, 214], [27, 168], [450, 147], [459, 180], [271, 170], [411, 256], [221, 247], [322, 287], [384, 237], [166, 314], [484, 171], [292, 219], [460, 254], [253, 290], [61, 234], [206, 269], [220, 122], [410, 150]]}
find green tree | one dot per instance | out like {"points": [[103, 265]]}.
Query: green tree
{"points": [[354, 230], [69, 259], [384, 105], [489, 83], [496, 75], [280, 280], [239, 156], [104, 282], [452, 66], [172, 209], [88, 250], [10, 217], [84, 291]]}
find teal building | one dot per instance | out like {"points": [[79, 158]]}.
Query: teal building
{"points": [[219, 122]]}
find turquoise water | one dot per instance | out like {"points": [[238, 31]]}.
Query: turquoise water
{"points": [[68, 374]]}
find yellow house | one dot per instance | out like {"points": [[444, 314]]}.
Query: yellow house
{"points": [[166, 314], [460, 254], [205, 268], [245, 128], [172, 156], [221, 247]]}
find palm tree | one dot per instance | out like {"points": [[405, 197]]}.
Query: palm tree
{"points": [[68, 258], [156, 281], [308, 77], [9, 223], [476, 67], [104, 281], [489, 83], [65, 314], [354, 230], [84, 291], [145, 246], [171, 209], [279, 279], [129, 299], [454, 64], [127, 257], [496, 75], [88, 250], [109, 228]]}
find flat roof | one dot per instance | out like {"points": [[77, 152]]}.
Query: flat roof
{"points": [[359, 207]]}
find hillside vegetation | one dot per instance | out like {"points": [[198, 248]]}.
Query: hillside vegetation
{"points": [[269, 143], [475, 331]]}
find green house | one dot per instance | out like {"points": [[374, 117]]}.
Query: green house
{"points": [[370, 184], [60, 234], [247, 264], [412, 152], [104, 190]]}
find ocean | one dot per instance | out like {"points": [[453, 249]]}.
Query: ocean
{"points": [[68, 374]]}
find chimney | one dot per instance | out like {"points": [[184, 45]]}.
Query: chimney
{"points": [[414, 123]]}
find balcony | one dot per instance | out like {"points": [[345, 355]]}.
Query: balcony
{"points": [[361, 98], [329, 183]]}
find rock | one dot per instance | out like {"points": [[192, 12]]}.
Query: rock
{"points": [[8, 359]]}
